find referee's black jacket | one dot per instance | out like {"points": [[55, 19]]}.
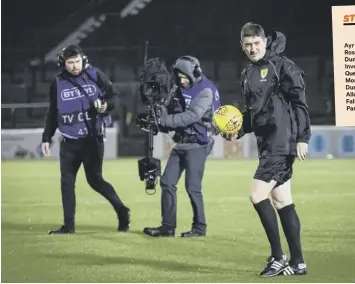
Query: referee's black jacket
{"points": [[275, 103], [51, 121]]}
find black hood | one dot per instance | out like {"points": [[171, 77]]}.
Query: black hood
{"points": [[276, 43]]}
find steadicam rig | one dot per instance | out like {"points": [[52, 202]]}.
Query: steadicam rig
{"points": [[155, 87]]}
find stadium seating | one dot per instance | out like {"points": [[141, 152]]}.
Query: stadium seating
{"points": [[117, 47]]}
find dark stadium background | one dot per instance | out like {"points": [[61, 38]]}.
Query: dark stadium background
{"points": [[235, 248], [208, 29]]}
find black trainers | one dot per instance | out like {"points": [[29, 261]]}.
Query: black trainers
{"points": [[62, 230], [274, 267], [193, 233], [300, 269], [161, 231], [124, 220]]}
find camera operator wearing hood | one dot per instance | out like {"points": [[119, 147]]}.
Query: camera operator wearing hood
{"points": [[80, 98], [189, 114]]}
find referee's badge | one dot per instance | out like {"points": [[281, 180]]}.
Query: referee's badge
{"points": [[263, 73]]}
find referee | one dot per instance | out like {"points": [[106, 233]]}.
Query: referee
{"points": [[80, 98]]}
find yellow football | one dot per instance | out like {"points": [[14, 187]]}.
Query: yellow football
{"points": [[228, 119]]}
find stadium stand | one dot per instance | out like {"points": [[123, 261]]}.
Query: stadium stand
{"points": [[115, 45]]}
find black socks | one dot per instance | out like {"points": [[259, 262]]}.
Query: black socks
{"points": [[292, 229], [268, 218]]}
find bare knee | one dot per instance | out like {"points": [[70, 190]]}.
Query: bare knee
{"points": [[256, 198], [280, 204], [281, 196], [260, 191], [281, 201]]}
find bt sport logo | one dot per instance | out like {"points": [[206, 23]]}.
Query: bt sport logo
{"points": [[74, 93]]}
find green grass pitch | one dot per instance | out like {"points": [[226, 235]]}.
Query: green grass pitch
{"points": [[235, 249]]}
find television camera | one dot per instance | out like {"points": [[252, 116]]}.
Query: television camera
{"points": [[156, 92]]}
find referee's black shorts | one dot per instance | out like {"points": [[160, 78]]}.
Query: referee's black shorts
{"points": [[278, 168]]}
